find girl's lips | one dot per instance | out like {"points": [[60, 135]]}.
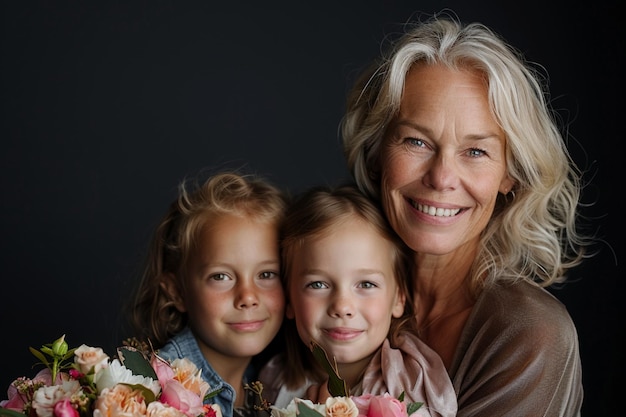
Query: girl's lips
{"points": [[343, 334], [247, 326]]}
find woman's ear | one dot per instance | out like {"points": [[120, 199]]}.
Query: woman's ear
{"points": [[506, 185], [397, 310], [169, 285]]}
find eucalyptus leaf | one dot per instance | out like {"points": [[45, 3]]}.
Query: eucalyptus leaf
{"points": [[136, 361], [337, 387], [306, 411]]}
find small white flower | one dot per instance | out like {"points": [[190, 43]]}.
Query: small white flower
{"points": [[292, 408], [117, 373]]}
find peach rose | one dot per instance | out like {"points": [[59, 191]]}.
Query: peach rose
{"points": [[188, 374], [88, 358], [341, 407]]}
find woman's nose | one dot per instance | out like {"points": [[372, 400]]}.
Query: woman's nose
{"points": [[442, 173]]}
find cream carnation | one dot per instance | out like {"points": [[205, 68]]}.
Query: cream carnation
{"points": [[158, 409], [120, 401], [46, 397]]}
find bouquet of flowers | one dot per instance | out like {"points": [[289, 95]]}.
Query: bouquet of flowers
{"points": [[366, 405], [85, 382], [341, 403]]}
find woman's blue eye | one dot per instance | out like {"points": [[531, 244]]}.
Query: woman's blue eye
{"points": [[476, 152], [367, 284], [416, 142]]}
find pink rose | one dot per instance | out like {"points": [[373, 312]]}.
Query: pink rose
{"points": [[380, 406], [64, 409], [363, 403], [162, 368], [176, 395]]}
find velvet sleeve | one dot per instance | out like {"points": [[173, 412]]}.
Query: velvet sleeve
{"points": [[518, 356]]}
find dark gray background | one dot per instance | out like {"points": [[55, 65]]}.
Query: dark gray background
{"points": [[105, 108]]}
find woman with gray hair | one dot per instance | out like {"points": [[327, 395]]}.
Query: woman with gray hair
{"points": [[451, 131]]}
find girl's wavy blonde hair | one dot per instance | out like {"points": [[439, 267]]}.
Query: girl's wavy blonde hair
{"points": [[153, 314]]}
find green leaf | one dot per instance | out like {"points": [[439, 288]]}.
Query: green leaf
{"points": [[212, 394], [11, 413], [136, 361], [413, 407], [306, 411], [69, 354], [337, 387], [39, 355]]}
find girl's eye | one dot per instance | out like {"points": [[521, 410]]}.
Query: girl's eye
{"points": [[476, 152], [367, 284], [219, 277], [316, 285], [268, 275]]}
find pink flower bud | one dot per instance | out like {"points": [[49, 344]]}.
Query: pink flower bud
{"points": [[64, 408]]}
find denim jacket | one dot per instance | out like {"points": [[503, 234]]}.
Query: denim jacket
{"points": [[184, 345]]}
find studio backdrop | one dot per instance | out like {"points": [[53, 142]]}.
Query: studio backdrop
{"points": [[106, 108]]}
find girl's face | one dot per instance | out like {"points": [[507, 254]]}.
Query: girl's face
{"points": [[343, 292], [443, 161], [234, 297]]}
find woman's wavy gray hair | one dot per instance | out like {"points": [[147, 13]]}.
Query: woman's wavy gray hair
{"points": [[532, 237]]}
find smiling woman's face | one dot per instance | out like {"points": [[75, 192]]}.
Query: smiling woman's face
{"points": [[443, 161]]}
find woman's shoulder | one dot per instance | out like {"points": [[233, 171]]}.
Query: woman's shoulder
{"points": [[520, 314], [518, 353], [520, 304]]}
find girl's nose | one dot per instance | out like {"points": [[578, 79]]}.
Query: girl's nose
{"points": [[341, 306], [246, 296]]}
